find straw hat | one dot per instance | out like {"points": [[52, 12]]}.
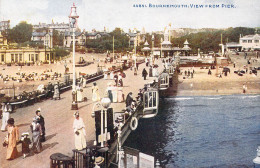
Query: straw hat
{"points": [[99, 160], [25, 134]]}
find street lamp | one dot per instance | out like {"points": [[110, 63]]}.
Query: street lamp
{"points": [[152, 47], [105, 102], [73, 19]]}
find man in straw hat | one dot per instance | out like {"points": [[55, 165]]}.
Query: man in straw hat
{"points": [[80, 132], [42, 123]]}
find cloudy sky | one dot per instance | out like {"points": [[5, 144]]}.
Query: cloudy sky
{"points": [[121, 13]]}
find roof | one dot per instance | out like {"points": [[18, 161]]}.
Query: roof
{"points": [[146, 43], [70, 33], [251, 37], [146, 49], [166, 43], [131, 34], [40, 34], [186, 42], [233, 44], [96, 33]]}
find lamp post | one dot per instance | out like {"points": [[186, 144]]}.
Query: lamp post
{"points": [[161, 47], [73, 19], [105, 102], [152, 47]]}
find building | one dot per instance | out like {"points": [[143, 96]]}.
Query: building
{"points": [[61, 27], [250, 42], [4, 25], [96, 35], [45, 38], [80, 39], [26, 55], [134, 38]]}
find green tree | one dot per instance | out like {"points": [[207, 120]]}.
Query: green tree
{"points": [[57, 38], [20, 33]]}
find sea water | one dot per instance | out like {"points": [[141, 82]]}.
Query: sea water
{"points": [[205, 131]]}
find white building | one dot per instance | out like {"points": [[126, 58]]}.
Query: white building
{"points": [[4, 25], [80, 39], [250, 42], [61, 27]]}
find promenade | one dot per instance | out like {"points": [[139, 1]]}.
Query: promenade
{"points": [[59, 120]]}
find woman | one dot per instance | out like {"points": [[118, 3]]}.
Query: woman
{"points": [[95, 96], [120, 97], [6, 116], [13, 138], [56, 92], [79, 93], [36, 135], [80, 132]]}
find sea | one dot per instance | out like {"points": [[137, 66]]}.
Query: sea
{"points": [[201, 132]]}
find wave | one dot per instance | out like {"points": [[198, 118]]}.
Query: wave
{"points": [[179, 98]]}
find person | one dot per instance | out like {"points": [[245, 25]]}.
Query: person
{"points": [[95, 92], [116, 79], [49, 90], [36, 130], [150, 71], [111, 75], [42, 123], [79, 93], [244, 88], [109, 91], [144, 73], [129, 99], [6, 116], [80, 132], [25, 144], [56, 94], [120, 95], [131, 108], [13, 138], [120, 80]]}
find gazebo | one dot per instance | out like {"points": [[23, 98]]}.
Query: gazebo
{"points": [[146, 48]]}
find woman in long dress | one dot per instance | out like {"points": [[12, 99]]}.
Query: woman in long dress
{"points": [[95, 92], [80, 132], [120, 94], [79, 94], [13, 138], [6, 116], [36, 135], [56, 92]]}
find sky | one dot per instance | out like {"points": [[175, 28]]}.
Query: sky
{"points": [[97, 14]]}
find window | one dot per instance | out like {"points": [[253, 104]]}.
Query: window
{"points": [[16, 57], [20, 57], [29, 57], [36, 57], [2, 57], [256, 41], [12, 57], [32, 57], [249, 41], [244, 41]]}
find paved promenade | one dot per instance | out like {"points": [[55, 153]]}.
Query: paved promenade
{"points": [[59, 120]]}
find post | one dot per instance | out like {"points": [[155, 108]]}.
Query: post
{"points": [[105, 123], [113, 47], [73, 55], [102, 125]]}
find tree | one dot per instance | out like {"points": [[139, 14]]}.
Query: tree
{"points": [[57, 38], [20, 33]]}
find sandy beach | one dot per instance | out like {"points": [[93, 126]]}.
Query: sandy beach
{"points": [[204, 84]]}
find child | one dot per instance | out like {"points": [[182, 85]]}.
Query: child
{"points": [[25, 144]]}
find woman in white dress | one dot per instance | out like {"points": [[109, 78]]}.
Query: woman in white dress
{"points": [[6, 116], [80, 132], [79, 94], [95, 92], [111, 75]]}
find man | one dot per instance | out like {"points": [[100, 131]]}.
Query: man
{"points": [[144, 73], [42, 123], [12, 139], [80, 132], [129, 99]]}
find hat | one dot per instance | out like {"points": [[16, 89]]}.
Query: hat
{"points": [[99, 160], [39, 109], [10, 121], [120, 118], [76, 114], [25, 134]]}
